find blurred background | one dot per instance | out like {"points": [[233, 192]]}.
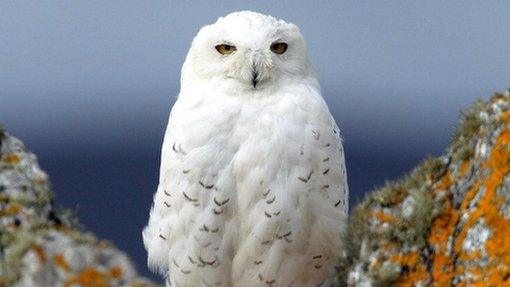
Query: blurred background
{"points": [[88, 86]]}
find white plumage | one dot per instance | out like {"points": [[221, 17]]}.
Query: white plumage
{"points": [[253, 188]]}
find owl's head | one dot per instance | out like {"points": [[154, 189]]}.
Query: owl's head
{"points": [[247, 50]]}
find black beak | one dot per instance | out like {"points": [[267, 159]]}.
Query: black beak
{"points": [[254, 78]]}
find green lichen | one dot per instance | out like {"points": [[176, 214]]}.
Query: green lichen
{"points": [[413, 229], [470, 122]]}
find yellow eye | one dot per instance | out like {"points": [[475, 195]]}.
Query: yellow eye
{"points": [[225, 49], [279, 48]]}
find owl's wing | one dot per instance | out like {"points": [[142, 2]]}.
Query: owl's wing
{"points": [[186, 237]]}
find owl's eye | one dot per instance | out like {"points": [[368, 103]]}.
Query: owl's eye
{"points": [[279, 48], [225, 49]]}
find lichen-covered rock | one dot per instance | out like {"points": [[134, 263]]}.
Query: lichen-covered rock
{"points": [[41, 245], [445, 224]]}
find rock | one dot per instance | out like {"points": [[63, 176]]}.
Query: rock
{"points": [[447, 222], [42, 245]]}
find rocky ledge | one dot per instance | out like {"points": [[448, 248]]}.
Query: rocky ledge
{"points": [[42, 245], [447, 223]]}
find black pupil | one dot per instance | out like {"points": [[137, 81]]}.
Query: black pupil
{"points": [[227, 47]]}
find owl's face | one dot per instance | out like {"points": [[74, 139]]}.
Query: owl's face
{"points": [[247, 50]]}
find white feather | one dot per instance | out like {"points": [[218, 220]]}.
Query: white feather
{"points": [[253, 188]]}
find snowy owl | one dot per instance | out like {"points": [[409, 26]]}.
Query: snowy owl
{"points": [[252, 188]]}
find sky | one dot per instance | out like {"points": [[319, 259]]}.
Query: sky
{"points": [[88, 86]]}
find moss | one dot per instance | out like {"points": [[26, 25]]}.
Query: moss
{"points": [[386, 275], [2, 137], [357, 231], [413, 230], [387, 195], [470, 122]]}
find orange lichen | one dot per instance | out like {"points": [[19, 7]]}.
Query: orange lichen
{"points": [[441, 230], [505, 117], [39, 251], [13, 209], [409, 259], [12, 158], [384, 217], [487, 210], [89, 278], [416, 269], [464, 168], [61, 262], [445, 182], [116, 272]]}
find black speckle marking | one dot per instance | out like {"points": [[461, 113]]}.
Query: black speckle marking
{"points": [[178, 149], [186, 272], [305, 180], [191, 260], [189, 198], [316, 135], [207, 262], [220, 203], [205, 185]]}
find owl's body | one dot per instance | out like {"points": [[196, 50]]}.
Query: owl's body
{"points": [[252, 189]]}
